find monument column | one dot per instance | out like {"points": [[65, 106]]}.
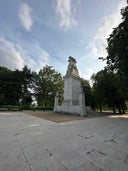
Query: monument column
{"points": [[73, 102], [56, 102]]}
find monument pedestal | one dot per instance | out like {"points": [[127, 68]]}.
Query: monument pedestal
{"points": [[73, 102]]}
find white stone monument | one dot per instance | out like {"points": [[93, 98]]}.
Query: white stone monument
{"points": [[74, 102]]}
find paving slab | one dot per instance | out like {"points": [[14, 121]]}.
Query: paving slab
{"points": [[28, 143]]}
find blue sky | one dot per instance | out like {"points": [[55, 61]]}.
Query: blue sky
{"points": [[46, 32]]}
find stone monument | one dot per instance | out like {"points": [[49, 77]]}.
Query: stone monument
{"points": [[74, 99]]}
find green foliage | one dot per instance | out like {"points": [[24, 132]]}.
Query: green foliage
{"points": [[117, 59], [44, 108], [10, 87], [48, 82], [21, 87], [110, 85], [106, 86], [10, 108], [26, 82], [87, 91]]}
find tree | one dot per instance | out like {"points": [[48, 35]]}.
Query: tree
{"points": [[107, 90], [117, 59], [20, 87], [48, 82], [98, 89], [26, 78], [87, 91], [10, 87]]}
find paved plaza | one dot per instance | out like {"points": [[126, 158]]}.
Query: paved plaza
{"points": [[29, 143]]}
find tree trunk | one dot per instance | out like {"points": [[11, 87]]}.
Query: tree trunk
{"points": [[100, 107], [114, 110], [119, 109]]}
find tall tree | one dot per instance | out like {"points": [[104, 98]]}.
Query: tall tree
{"points": [[117, 59], [98, 89], [26, 79], [10, 87], [87, 91], [48, 82], [107, 90]]}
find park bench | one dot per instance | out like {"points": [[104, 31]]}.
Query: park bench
{"points": [[3, 109]]}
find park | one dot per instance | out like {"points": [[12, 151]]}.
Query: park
{"points": [[72, 137], [51, 121]]}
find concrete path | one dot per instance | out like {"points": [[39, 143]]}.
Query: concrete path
{"points": [[28, 143]]}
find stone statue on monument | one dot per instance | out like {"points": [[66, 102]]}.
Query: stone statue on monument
{"points": [[72, 68]]}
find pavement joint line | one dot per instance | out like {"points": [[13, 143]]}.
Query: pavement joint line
{"points": [[51, 154], [30, 168], [99, 144], [101, 169], [92, 162], [126, 158]]}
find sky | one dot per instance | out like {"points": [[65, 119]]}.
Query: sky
{"points": [[46, 32]]}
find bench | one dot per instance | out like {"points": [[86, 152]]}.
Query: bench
{"points": [[3, 109]]}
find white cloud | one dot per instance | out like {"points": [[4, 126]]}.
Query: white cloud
{"points": [[99, 44], [13, 56], [9, 56], [97, 48], [43, 57], [25, 16], [86, 73], [64, 11], [39, 60]]}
